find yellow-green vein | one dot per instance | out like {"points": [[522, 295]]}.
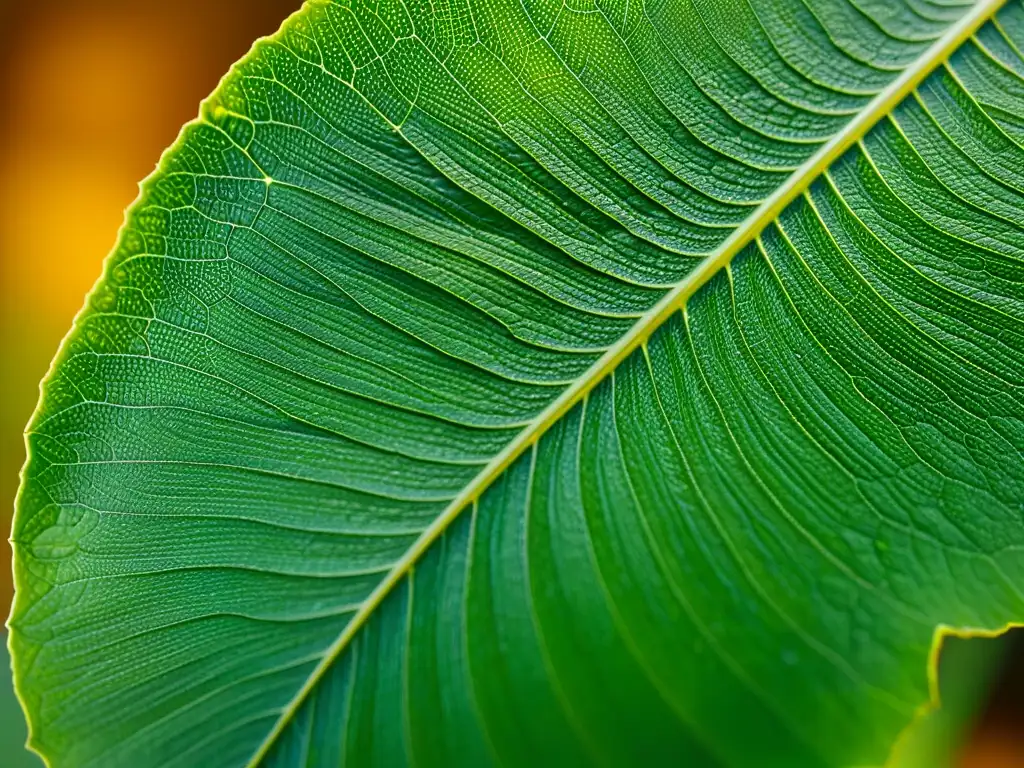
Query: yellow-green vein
{"points": [[671, 303]]}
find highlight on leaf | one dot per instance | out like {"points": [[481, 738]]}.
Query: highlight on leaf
{"points": [[543, 382]]}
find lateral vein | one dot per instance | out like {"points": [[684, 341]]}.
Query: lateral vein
{"points": [[672, 302]]}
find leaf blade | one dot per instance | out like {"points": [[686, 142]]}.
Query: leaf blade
{"points": [[535, 370]]}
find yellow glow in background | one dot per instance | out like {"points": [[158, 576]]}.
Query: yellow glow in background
{"points": [[91, 92]]}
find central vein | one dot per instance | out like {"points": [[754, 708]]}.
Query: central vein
{"points": [[672, 302]]}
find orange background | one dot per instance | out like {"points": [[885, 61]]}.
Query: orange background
{"points": [[91, 92]]}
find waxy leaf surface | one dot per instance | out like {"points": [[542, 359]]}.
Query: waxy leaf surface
{"points": [[543, 382]]}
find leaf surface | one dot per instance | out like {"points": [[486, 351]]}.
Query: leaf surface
{"points": [[559, 382]]}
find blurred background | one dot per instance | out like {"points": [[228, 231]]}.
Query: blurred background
{"points": [[91, 92]]}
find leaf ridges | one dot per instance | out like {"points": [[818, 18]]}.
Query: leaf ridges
{"points": [[414, 261]]}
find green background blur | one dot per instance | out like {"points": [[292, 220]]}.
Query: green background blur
{"points": [[91, 91]]}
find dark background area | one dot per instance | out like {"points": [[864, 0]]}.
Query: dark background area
{"points": [[91, 92], [998, 738]]}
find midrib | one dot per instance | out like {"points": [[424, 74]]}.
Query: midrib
{"points": [[672, 302]]}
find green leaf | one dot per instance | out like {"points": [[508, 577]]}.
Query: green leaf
{"points": [[544, 382]]}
